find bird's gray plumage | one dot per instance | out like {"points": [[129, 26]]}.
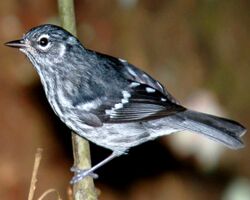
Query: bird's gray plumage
{"points": [[108, 100]]}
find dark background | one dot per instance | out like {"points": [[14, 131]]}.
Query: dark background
{"points": [[198, 49]]}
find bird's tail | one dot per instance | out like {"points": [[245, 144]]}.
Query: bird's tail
{"points": [[219, 129]]}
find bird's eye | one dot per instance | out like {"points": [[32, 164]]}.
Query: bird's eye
{"points": [[43, 42]]}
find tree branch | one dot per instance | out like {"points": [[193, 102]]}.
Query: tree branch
{"points": [[85, 188]]}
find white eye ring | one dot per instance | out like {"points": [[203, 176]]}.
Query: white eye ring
{"points": [[43, 42]]}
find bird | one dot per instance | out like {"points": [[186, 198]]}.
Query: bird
{"points": [[108, 100]]}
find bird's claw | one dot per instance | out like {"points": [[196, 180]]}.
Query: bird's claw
{"points": [[81, 174]]}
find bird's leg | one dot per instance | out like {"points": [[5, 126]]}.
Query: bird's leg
{"points": [[82, 173]]}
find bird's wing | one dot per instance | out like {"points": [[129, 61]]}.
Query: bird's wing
{"points": [[130, 72], [122, 93], [138, 102]]}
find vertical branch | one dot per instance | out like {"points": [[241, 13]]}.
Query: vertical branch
{"points": [[38, 158], [67, 15], [85, 188]]}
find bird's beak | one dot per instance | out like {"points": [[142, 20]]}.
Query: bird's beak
{"points": [[16, 44]]}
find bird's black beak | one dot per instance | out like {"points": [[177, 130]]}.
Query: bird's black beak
{"points": [[16, 44]]}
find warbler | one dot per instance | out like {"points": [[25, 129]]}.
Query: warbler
{"points": [[109, 101]]}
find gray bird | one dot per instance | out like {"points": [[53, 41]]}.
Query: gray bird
{"points": [[109, 101]]}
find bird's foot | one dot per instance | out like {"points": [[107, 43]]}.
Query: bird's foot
{"points": [[81, 174]]}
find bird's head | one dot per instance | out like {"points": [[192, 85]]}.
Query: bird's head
{"points": [[46, 45]]}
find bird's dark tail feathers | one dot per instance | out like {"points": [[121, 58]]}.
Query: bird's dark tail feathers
{"points": [[219, 129]]}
